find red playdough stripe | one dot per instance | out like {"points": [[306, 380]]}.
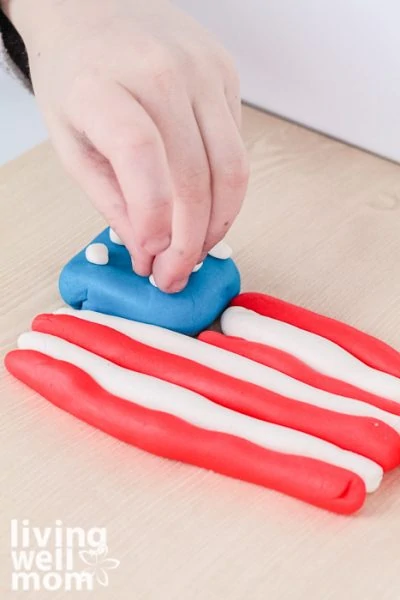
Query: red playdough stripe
{"points": [[370, 350], [292, 366], [73, 390], [364, 435]]}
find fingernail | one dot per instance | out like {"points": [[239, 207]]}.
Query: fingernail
{"points": [[152, 281], [177, 286], [133, 265]]}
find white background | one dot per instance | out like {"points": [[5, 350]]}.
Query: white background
{"points": [[21, 126], [333, 65]]}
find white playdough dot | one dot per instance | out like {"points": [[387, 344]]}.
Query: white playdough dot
{"points": [[151, 279], [97, 254], [114, 237], [197, 267], [221, 250]]}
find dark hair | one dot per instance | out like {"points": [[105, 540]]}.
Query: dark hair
{"points": [[14, 45]]}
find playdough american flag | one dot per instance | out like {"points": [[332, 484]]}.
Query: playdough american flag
{"points": [[284, 398]]}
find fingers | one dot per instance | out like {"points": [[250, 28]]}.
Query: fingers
{"points": [[232, 90], [96, 177], [173, 176], [125, 134], [190, 173], [228, 162]]}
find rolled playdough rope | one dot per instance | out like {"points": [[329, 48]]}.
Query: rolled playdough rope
{"points": [[292, 366], [363, 435], [368, 349], [156, 394], [236, 366], [319, 353], [162, 434]]}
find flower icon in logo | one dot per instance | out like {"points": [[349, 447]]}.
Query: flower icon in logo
{"points": [[98, 563]]}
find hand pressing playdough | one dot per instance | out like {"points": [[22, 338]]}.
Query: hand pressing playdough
{"points": [[143, 107], [101, 278]]}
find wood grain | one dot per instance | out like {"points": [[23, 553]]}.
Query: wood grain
{"points": [[320, 227]]}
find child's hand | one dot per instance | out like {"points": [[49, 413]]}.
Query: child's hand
{"points": [[144, 109]]}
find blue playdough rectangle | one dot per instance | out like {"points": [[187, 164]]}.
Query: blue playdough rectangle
{"points": [[115, 289]]}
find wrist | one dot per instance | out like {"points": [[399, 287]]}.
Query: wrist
{"points": [[17, 12], [33, 22]]}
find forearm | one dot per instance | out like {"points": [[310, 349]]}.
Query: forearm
{"points": [[21, 23]]}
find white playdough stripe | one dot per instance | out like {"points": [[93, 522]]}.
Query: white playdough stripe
{"points": [[316, 351], [221, 250], [235, 365], [160, 395]]}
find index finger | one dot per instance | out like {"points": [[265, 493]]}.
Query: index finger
{"points": [[123, 132]]}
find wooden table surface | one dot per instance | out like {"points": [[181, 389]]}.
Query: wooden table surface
{"points": [[321, 227]]}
